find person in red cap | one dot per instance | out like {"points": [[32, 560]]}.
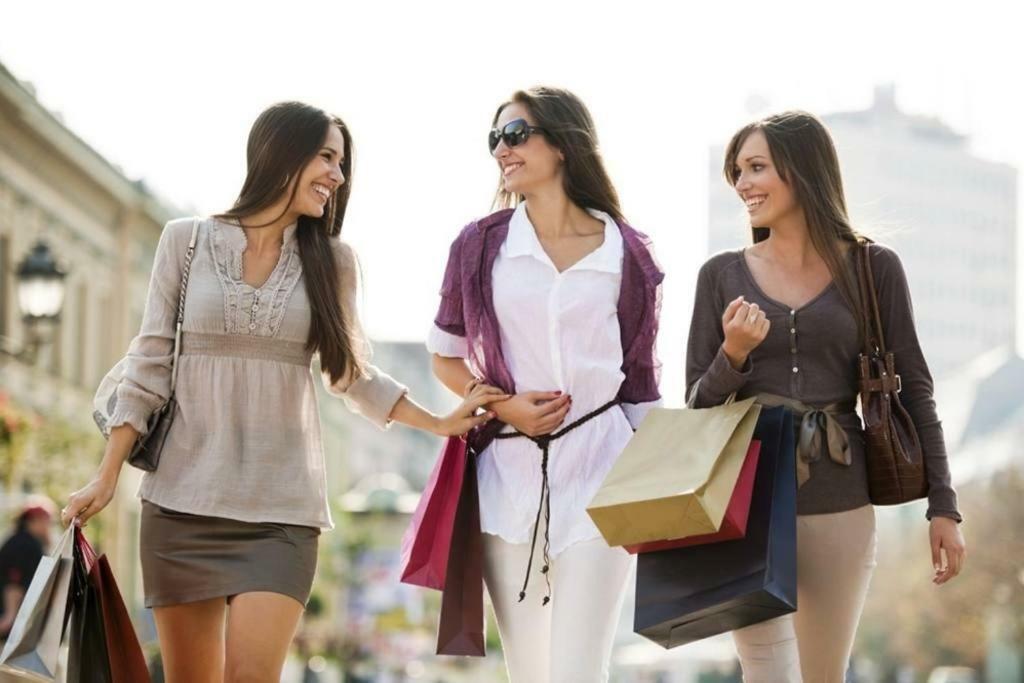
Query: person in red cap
{"points": [[20, 556]]}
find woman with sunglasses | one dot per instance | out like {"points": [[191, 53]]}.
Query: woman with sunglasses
{"points": [[553, 299], [232, 515], [779, 320]]}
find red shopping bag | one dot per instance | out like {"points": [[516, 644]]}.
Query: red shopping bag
{"points": [[734, 524], [428, 539]]}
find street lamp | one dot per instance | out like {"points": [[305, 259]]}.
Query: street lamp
{"points": [[40, 298]]}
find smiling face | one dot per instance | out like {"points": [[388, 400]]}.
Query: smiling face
{"points": [[769, 199], [530, 166], [320, 177]]}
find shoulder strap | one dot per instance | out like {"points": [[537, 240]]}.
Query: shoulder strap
{"points": [[872, 319], [181, 300]]}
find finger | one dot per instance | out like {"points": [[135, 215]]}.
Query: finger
{"points": [[943, 574], [936, 556], [478, 420], [535, 396], [475, 402], [552, 421], [72, 509], [730, 310], [546, 409], [484, 390], [752, 313], [956, 561]]}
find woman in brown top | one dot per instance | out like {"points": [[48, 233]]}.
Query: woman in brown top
{"points": [[777, 319]]}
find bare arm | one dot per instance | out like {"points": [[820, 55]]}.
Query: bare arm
{"points": [[453, 373], [458, 422], [97, 494]]}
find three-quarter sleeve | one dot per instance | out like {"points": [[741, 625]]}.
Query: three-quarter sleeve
{"points": [[447, 336], [917, 396], [146, 382], [374, 394], [710, 377]]}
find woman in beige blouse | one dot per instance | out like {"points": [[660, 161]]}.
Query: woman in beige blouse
{"points": [[231, 517], [778, 320]]}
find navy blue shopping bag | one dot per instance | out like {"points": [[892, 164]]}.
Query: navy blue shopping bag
{"points": [[688, 594]]}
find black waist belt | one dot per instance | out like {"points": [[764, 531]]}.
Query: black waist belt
{"points": [[544, 443]]}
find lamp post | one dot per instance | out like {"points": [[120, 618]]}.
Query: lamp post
{"points": [[40, 298]]}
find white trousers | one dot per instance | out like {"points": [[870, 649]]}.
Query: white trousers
{"points": [[570, 639], [835, 560]]}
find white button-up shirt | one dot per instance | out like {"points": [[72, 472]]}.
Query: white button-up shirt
{"points": [[559, 331]]}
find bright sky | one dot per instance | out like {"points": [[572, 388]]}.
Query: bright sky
{"points": [[168, 91]]}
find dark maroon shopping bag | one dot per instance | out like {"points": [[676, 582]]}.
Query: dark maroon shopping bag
{"points": [[460, 630], [103, 647], [427, 541]]}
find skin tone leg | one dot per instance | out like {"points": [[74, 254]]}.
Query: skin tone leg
{"points": [[192, 641], [260, 629]]}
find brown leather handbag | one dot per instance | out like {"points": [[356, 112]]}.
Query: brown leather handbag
{"points": [[895, 463]]}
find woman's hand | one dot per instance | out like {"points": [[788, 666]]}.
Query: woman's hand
{"points": [[88, 500], [745, 326], [534, 413], [464, 417], [944, 534]]}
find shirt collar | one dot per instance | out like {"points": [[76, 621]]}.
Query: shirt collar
{"points": [[522, 241]]}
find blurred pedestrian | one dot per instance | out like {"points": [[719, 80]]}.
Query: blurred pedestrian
{"points": [[20, 555]]}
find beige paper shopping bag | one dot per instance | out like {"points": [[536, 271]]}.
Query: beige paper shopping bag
{"points": [[676, 476]]}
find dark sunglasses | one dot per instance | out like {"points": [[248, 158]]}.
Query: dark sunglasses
{"points": [[514, 133]]}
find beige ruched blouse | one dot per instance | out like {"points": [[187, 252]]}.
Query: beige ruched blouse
{"points": [[245, 443]]}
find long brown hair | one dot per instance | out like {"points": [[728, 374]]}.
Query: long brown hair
{"points": [[284, 138], [568, 126], [805, 156]]}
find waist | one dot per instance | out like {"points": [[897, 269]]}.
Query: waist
{"points": [[245, 346]]}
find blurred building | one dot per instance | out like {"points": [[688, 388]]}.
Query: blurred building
{"points": [[912, 183], [356, 448], [103, 228]]}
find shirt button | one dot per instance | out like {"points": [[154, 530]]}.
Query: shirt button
{"points": [[256, 293], [255, 307], [796, 369], [792, 330], [252, 326], [792, 311]]}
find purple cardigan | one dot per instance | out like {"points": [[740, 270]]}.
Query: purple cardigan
{"points": [[467, 309]]}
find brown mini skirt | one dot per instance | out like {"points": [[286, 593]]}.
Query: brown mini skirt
{"points": [[187, 558]]}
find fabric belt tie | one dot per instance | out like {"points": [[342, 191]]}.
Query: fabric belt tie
{"points": [[818, 431], [544, 444]]}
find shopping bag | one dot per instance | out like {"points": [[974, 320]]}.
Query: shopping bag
{"points": [[734, 524], [103, 644], [687, 594], [427, 540], [33, 646], [676, 476], [127, 662], [461, 627]]}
